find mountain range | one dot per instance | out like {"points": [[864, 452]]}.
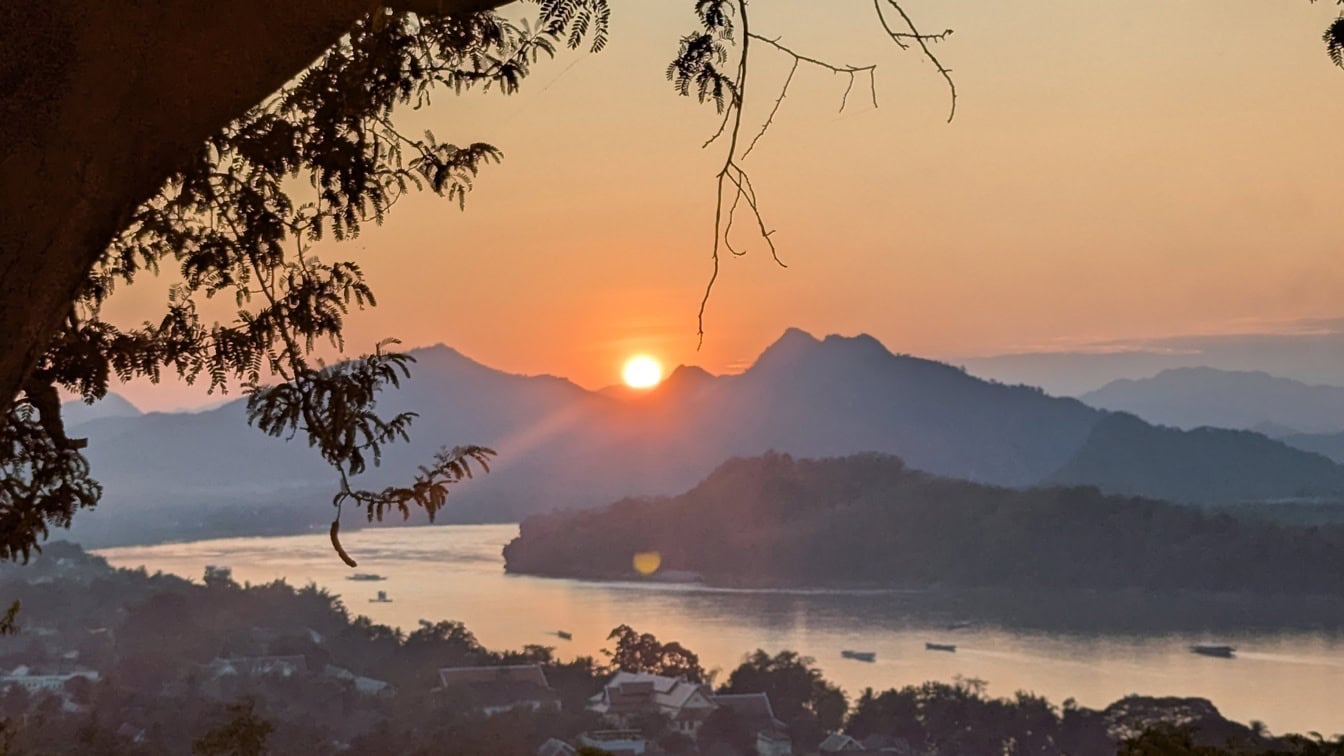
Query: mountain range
{"points": [[1249, 400], [175, 476]]}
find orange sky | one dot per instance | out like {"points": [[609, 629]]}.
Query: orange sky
{"points": [[1116, 170]]}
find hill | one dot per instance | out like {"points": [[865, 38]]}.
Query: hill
{"points": [[1242, 400], [173, 476], [1125, 455], [871, 520]]}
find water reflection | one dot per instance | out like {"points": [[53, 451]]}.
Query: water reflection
{"points": [[1288, 671]]}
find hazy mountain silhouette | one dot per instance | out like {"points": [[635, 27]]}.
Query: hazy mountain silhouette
{"points": [[1195, 397], [561, 446], [77, 412], [1328, 444], [1125, 455]]}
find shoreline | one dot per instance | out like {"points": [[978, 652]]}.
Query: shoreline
{"points": [[1077, 609]]}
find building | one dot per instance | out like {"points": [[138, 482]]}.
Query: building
{"points": [[492, 690], [366, 685], [556, 747], [753, 710], [615, 742], [259, 666], [20, 678], [840, 743], [51, 685], [628, 696]]}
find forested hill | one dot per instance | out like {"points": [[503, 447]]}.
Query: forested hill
{"points": [[870, 519]]}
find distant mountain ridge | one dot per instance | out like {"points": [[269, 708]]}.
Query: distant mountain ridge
{"points": [[562, 446], [1241, 400], [77, 412]]}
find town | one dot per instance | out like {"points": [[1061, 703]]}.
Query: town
{"points": [[128, 662]]}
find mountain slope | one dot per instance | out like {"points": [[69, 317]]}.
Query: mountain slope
{"points": [[1326, 444], [1125, 455], [561, 446], [76, 412], [1242, 400]]}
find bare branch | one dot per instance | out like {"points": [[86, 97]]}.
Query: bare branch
{"points": [[698, 63], [779, 101], [923, 41]]}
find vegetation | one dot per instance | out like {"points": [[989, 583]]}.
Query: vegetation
{"points": [[152, 637], [871, 520], [642, 652], [802, 699]]}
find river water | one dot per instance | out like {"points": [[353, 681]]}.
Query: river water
{"points": [[1293, 680]]}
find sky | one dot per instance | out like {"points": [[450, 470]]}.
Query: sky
{"points": [[1118, 170]]}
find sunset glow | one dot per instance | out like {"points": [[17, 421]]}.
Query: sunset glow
{"points": [[642, 372]]}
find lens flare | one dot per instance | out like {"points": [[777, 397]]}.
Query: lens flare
{"points": [[648, 562]]}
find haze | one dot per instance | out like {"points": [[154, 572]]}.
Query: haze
{"points": [[1116, 170]]}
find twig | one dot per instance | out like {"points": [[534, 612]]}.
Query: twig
{"points": [[923, 41]]}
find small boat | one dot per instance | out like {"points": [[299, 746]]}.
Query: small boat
{"points": [[564, 635], [863, 656], [940, 647], [382, 598], [959, 625], [365, 577], [1211, 649]]}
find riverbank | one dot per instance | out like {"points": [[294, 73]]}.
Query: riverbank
{"points": [[456, 572]]}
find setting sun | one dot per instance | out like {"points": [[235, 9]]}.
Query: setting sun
{"points": [[642, 371]]}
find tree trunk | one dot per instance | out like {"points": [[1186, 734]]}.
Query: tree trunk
{"points": [[101, 100]]}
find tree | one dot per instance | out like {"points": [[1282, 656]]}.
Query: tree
{"points": [[642, 652], [244, 734], [801, 698]]}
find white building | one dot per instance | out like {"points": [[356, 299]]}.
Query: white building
{"points": [[50, 683], [629, 694], [615, 742], [686, 705]]}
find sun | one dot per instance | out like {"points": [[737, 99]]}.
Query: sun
{"points": [[642, 372]]}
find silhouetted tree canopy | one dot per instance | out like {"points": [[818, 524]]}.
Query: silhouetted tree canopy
{"points": [[642, 652], [807, 703], [244, 734]]}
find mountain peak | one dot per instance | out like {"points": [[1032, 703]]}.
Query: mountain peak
{"points": [[789, 347], [687, 374], [860, 343]]}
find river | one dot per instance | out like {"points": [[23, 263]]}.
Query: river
{"points": [[1292, 680]]}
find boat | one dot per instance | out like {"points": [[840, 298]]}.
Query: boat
{"points": [[1212, 649], [863, 656], [381, 599], [940, 647], [365, 577], [959, 625], [564, 635]]}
